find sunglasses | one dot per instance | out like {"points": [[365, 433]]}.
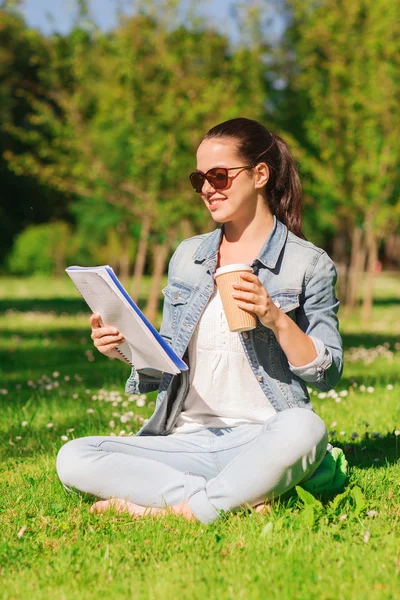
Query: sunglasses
{"points": [[218, 178]]}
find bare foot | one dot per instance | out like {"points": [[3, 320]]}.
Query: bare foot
{"points": [[263, 509], [120, 506], [135, 510]]}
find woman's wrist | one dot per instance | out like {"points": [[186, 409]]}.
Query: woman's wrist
{"points": [[297, 345], [280, 325]]}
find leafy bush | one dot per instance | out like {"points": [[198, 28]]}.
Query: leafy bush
{"points": [[45, 248], [50, 247]]}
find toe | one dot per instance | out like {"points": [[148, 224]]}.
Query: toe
{"points": [[100, 506], [264, 509]]}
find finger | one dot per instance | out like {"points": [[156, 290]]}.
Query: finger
{"points": [[108, 339], [95, 320], [249, 279], [248, 297], [247, 276], [107, 349], [103, 331], [247, 286], [247, 306]]}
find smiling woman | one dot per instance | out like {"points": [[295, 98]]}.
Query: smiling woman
{"points": [[237, 428]]}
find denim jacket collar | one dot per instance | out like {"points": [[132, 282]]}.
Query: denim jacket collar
{"points": [[268, 255]]}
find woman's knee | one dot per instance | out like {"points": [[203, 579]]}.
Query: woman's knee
{"points": [[304, 426], [70, 460]]}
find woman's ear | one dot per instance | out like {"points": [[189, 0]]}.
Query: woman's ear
{"points": [[261, 175]]}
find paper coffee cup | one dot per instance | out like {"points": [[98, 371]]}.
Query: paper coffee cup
{"points": [[238, 319]]}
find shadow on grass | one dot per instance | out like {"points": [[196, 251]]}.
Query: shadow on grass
{"points": [[386, 301], [55, 338], [368, 340], [21, 365], [58, 306], [373, 449]]}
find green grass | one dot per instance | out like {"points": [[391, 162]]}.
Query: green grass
{"points": [[50, 375]]}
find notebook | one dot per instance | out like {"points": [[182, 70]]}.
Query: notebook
{"points": [[144, 347]]}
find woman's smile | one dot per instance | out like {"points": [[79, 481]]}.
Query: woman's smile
{"points": [[214, 203]]}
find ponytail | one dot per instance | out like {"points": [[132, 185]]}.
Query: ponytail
{"points": [[256, 144]]}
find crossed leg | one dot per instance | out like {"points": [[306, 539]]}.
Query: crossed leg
{"points": [[181, 475]]}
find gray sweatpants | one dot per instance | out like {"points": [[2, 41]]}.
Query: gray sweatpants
{"points": [[212, 469]]}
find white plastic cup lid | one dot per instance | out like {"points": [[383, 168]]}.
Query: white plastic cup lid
{"points": [[232, 268]]}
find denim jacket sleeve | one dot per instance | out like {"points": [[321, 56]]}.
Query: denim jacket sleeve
{"points": [[316, 316], [148, 380]]}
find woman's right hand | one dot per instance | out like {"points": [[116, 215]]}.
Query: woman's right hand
{"points": [[105, 339]]}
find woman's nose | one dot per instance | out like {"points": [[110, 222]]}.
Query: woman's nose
{"points": [[207, 187]]}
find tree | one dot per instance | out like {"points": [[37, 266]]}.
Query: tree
{"points": [[347, 69], [119, 128], [23, 199]]}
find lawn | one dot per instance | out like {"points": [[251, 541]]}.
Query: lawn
{"points": [[55, 387]]}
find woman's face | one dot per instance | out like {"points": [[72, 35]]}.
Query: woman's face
{"points": [[238, 200]]}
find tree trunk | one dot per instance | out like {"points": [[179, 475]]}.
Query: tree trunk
{"points": [[339, 253], [124, 259], [160, 256], [186, 229], [59, 264], [343, 278], [392, 249], [340, 259], [60, 252], [140, 259], [372, 248], [124, 264], [356, 268]]}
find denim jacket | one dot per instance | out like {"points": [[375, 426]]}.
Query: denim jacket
{"points": [[299, 277]]}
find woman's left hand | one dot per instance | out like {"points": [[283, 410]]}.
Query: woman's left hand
{"points": [[252, 296]]}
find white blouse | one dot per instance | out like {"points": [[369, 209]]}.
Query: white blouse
{"points": [[224, 391]]}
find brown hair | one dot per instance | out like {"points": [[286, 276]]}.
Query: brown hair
{"points": [[256, 144]]}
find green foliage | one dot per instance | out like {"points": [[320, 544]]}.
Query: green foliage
{"points": [[42, 249], [348, 70], [338, 500], [51, 247], [312, 507], [23, 56], [307, 498], [314, 514], [125, 111], [359, 500]]}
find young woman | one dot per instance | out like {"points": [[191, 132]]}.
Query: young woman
{"points": [[237, 428]]}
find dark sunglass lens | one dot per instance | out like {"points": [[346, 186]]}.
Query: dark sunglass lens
{"points": [[218, 178], [197, 180]]}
